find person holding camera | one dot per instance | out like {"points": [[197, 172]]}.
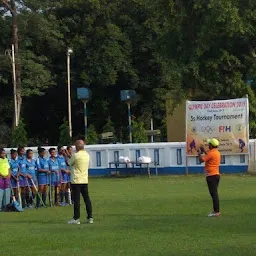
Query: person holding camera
{"points": [[212, 160]]}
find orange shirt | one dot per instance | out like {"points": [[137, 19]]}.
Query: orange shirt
{"points": [[212, 162]]}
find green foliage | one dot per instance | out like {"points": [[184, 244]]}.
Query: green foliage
{"points": [[162, 49], [64, 134], [139, 132], [19, 135], [5, 135], [92, 136], [109, 126], [35, 66]]}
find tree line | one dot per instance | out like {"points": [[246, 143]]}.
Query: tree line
{"points": [[164, 49]]}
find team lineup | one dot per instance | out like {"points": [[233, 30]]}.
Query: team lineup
{"points": [[25, 182], [34, 179]]}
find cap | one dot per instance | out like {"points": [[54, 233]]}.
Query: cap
{"points": [[213, 142]]}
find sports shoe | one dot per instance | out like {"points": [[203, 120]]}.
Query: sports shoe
{"points": [[74, 222], [89, 221], [214, 214]]}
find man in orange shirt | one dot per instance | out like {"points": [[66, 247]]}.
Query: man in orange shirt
{"points": [[212, 161]]}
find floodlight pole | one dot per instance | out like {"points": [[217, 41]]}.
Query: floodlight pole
{"points": [[85, 119], [130, 120], [69, 52]]}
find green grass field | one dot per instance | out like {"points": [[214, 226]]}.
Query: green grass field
{"points": [[141, 216]]}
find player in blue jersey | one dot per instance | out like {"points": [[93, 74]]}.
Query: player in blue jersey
{"points": [[64, 176], [42, 174], [31, 175], [23, 176], [14, 165], [68, 154], [55, 176]]}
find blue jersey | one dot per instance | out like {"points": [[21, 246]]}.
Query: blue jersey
{"points": [[14, 164], [53, 165], [62, 162], [31, 167], [22, 164], [54, 168], [42, 163]]}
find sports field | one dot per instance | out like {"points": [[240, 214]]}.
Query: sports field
{"points": [[141, 216]]}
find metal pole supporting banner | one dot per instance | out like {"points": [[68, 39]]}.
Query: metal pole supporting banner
{"points": [[69, 96], [186, 138], [85, 119], [248, 129], [130, 121]]}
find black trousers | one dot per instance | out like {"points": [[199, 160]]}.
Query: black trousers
{"points": [[78, 189], [213, 183]]}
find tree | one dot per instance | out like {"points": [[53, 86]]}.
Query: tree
{"points": [[162, 49], [92, 136], [139, 132], [10, 5], [64, 134], [19, 135], [109, 127]]}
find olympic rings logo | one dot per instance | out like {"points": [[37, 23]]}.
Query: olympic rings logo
{"points": [[207, 129]]}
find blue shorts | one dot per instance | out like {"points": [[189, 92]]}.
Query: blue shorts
{"points": [[43, 180], [14, 183], [30, 182], [55, 179], [64, 177], [23, 182]]}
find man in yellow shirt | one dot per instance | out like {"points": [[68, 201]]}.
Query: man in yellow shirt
{"points": [[212, 161], [5, 191], [79, 163]]}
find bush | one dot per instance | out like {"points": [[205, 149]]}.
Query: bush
{"points": [[92, 136], [139, 132], [109, 127]]}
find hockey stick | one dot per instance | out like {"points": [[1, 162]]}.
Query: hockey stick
{"points": [[37, 193]]}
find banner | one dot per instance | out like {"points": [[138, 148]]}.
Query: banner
{"points": [[225, 120]]}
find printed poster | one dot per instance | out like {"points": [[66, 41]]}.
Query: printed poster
{"points": [[225, 120]]}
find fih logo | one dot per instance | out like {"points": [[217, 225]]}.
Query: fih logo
{"points": [[223, 129]]}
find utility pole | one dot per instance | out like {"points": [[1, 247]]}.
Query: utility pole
{"points": [[69, 52]]}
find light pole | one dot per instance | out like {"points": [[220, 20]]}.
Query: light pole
{"points": [[129, 120], [85, 95], [128, 96], [11, 54], [69, 52]]}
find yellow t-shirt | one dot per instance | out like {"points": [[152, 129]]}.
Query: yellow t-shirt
{"points": [[79, 163], [4, 167]]}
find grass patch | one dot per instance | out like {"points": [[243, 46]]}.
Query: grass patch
{"points": [[141, 216]]}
